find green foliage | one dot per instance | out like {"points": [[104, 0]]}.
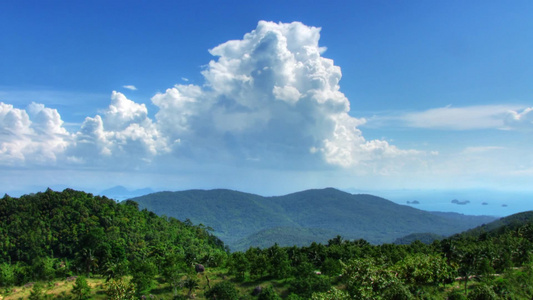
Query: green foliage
{"points": [[331, 267], [7, 274], [144, 273], [223, 291], [120, 290], [173, 269], [81, 289], [482, 292], [368, 279], [333, 294], [268, 293], [456, 295], [238, 265], [426, 238], [278, 261], [421, 269], [56, 234], [515, 284], [306, 286], [258, 262], [37, 292], [398, 291], [190, 283]]}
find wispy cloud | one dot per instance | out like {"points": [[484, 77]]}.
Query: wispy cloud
{"points": [[457, 118], [130, 87]]}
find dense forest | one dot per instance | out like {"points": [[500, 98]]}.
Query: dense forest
{"points": [[73, 245]]}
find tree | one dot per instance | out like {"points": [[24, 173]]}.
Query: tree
{"points": [[81, 289], [279, 262], [331, 267], [421, 269], [7, 275], [143, 276], [191, 284], [173, 269], [119, 290], [333, 294], [482, 292], [223, 291], [37, 292], [268, 294], [238, 265], [365, 278]]}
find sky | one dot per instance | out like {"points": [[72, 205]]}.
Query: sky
{"points": [[268, 98]]}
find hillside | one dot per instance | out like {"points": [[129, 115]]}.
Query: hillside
{"points": [[236, 217], [233, 215], [501, 225], [284, 236], [426, 238], [53, 234]]}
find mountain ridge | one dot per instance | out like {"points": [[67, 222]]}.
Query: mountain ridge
{"points": [[237, 216]]}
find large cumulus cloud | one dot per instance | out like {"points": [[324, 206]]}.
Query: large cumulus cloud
{"points": [[268, 99], [268, 94]]}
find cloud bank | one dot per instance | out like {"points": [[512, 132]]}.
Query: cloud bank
{"points": [[269, 99]]}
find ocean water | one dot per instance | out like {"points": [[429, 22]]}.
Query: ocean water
{"points": [[480, 202]]}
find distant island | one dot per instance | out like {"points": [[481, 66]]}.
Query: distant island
{"points": [[465, 202]]}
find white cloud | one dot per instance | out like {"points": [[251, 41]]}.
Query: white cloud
{"points": [[269, 99], [124, 133], [460, 118], [130, 87], [34, 135], [481, 149], [520, 120]]}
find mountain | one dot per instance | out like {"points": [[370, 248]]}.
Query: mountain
{"points": [[242, 220], [233, 215], [472, 221], [121, 193]]}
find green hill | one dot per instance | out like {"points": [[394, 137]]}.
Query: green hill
{"points": [[236, 217], [426, 238], [284, 237], [509, 223], [55, 233], [233, 215]]}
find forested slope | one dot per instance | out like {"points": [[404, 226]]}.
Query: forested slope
{"points": [[59, 233], [242, 220], [51, 236]]}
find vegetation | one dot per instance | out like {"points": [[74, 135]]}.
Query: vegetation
{"points": [[73, 245], [61, 234], [244, 220]]}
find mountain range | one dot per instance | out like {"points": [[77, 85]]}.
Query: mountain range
{"points": [[242, 220]]}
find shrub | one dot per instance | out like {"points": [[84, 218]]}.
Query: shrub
{"points": [[81, 289], [223, 291], [482, 292]]}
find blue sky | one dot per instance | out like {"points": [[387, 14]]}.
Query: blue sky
{"points": [[359, 95]]}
